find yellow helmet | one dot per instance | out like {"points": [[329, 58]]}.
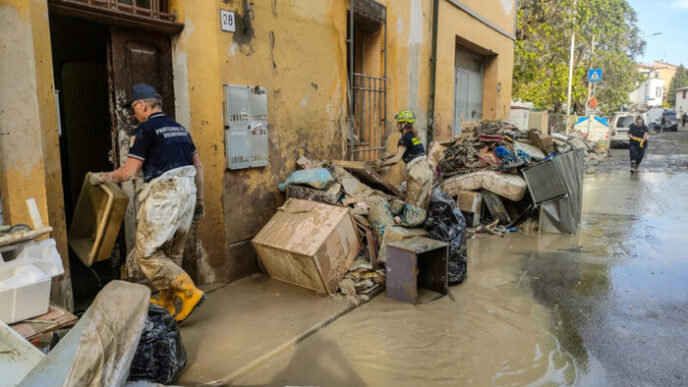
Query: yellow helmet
{"points": [[405, 116]]}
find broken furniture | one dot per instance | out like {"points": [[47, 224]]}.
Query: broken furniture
{"points": [[496, 207], [308, 244], [544, 183], [97, 220], [471, 205], [39, 329], [416, 262], [330, 195], [10, 239], [368, 176]]}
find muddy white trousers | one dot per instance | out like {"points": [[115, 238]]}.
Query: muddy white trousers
{"points": [[419, 182], [164, 218]]}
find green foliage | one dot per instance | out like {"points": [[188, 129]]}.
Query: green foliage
{"points": [[541, 65], [680, 80]]}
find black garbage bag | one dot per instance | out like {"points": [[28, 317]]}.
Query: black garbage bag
{"points": [[160, 355], [446, 223]]}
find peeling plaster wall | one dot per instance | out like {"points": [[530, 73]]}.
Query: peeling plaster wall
{"points": [[297, 49], [29, 144], [294, 48]]}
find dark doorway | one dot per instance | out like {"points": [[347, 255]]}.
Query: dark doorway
{"points": [[95, 64], [79, 51]]}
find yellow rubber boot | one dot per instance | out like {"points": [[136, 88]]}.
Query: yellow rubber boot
{"points": [[191, 296], [166, 300]]}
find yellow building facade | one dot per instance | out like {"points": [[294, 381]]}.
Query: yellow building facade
{"points": [[332, 77]]}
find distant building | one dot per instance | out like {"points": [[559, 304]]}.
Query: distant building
{"points": [[681, 100], [666, 71], [650, 91]]}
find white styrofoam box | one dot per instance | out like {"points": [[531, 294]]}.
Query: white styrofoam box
{"points": [[24, 292], [43, 255], [25, 280]]}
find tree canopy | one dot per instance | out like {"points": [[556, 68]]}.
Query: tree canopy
{"points": [[543, 34], [680, 80]]}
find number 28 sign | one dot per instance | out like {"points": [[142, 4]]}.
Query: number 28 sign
{"points": [[227, 21]]}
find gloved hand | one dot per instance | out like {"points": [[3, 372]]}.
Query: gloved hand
{"points": [[642, 144], [95, 178], [376, 164], [199, 211]]}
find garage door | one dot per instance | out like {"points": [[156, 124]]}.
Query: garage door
{"points": [[468, 88]]}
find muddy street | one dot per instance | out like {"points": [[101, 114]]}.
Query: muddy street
{"points": [[606, 307]]}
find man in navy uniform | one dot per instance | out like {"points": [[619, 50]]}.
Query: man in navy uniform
{"points": [[170, 200]]}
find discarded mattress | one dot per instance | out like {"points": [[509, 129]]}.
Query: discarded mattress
{"points": [[99, 349], [512, 187]]}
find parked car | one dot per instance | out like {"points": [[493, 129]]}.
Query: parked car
{"points": [[669, 122], [619, 127], [654, 118]]}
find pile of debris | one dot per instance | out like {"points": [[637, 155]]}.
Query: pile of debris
{"points": [[486, 181]]}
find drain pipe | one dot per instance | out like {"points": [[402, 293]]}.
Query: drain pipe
{"points": [[433, 71]]}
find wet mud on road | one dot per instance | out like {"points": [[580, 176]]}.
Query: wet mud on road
{"points": [[606, 307]]}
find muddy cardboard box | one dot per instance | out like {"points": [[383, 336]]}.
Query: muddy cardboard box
{"points": [[308, 244]]}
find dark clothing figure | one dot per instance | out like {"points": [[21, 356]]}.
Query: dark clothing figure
{"points": [[162, 145], [636, 146], [414, 148], [684, 118]]}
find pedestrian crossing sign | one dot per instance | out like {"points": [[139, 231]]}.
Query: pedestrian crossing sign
{"points": [[594, 75]]}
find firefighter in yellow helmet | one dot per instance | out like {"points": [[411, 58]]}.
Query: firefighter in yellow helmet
{"points": [[411, 151]]}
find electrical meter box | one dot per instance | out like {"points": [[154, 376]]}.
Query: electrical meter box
{"points": [[246, 126]]}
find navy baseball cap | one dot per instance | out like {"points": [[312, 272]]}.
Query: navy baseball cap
{"points": [[141, 91]]}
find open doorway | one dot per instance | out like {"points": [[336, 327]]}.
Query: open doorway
{"points": [[79, 51], [95, 64]]}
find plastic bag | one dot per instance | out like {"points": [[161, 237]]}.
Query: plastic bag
{"points": [[446, 223], [318, 178], [160, 355]]}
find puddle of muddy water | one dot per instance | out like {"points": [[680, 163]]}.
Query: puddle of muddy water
{"points": [[605, 307], [493, 333]]}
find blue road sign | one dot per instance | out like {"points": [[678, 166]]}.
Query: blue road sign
{"points": [[594, 75]]}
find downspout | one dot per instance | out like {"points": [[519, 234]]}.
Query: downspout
{"points": [[433, 71]]}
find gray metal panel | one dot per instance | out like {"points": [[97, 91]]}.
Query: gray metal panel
{"points": [[246, 143], [544, 182], [258, 100], [564, 215]]}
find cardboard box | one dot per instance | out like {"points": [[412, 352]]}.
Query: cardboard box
{"points": [[471, 204], [308, 244]]}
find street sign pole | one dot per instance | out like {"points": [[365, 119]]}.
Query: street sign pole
{"points": [[592, 55]]}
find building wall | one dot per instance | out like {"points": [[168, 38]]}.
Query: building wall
{"points": [[297, 50], [29, 144], [681, 101], [666, 72]]}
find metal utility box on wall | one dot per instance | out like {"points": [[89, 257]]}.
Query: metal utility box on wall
{"points": [[246, 126]]}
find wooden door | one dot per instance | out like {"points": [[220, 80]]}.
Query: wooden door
{"points": [[135, 57]]}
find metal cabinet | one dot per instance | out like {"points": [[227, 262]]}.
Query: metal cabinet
{"points": [[246, 126]]}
